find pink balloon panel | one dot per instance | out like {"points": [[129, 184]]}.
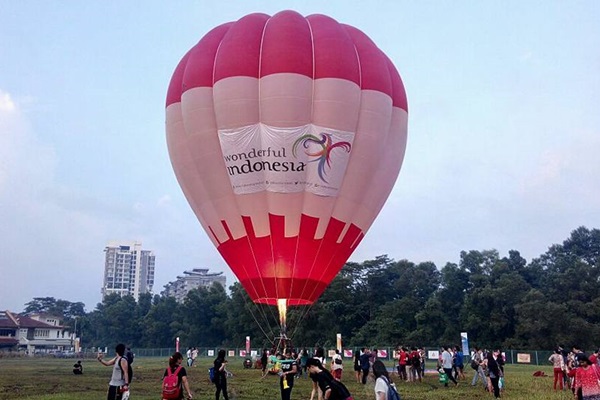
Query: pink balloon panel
{"points": [[286, 134]]}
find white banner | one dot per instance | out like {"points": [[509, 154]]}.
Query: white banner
{"points": [[286, 160]]}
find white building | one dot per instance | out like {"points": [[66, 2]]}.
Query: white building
{"points": [[128, 270], [37, 332], [198, 277]]}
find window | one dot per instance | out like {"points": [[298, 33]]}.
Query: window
{"points": [[42, 333]]}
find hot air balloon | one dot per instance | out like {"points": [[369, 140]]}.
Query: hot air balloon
{"points": [[286, 134]]}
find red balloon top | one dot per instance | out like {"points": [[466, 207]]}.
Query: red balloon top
{"points": [[316, 46]]}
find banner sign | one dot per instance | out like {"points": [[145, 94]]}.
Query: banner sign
{"points": [[464, 340], [286, 160], [348, 353], [523, 358]]}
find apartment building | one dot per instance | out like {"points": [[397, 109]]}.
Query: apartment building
{"points": [[128, 269]]}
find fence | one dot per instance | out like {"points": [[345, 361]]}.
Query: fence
{"points": [[527, 357]]}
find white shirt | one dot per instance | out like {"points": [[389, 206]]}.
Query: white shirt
{"points": [[334, 365], [381, 387], [446, 360]]}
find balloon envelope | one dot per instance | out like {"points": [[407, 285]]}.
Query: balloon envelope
{"points": [[286, 134]]}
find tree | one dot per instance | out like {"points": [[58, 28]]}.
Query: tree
{"points": [[162, 324]]}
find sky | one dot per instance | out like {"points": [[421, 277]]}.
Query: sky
{"points": [[503, 146]]}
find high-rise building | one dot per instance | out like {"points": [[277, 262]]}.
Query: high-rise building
{"points": [[198, 277], [128, 270]]}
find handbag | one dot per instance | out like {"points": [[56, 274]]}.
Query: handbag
{"points": [[443, 377]]}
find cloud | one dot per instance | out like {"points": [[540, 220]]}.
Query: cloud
{"points": [[50, 233], [25, 163], [53, 233], [164, 200], [7, 105]]}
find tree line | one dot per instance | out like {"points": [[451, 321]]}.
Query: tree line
{"points": [[499, 301]]}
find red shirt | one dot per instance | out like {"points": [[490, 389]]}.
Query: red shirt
{"points": [[402, 358], [415, 354]]}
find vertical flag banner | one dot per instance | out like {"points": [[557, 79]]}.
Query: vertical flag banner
{"points": [[464, 340], [339, 342]]}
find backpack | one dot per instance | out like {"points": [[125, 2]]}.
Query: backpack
{"points": [[211, 374], [392, 393], [415, 361], [129, 356], [340, 389], [171, 388], [129, 369], [337, 360], [474, 365]]}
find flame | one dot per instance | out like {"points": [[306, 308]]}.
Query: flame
{"points": [[282, 307]]}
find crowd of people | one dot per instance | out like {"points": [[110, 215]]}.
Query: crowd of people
{"points": [[576, 371], [326, 375], [573, 370], [191, 355]]}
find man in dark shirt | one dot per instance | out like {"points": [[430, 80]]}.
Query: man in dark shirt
{"points": [[78, 368], [220, 375], [289, 369], [365, 364]]}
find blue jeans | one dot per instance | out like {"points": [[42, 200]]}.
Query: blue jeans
{"points": [[479, 374]]}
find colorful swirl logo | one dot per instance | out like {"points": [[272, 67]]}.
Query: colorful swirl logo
{"points": [[324, 147]]}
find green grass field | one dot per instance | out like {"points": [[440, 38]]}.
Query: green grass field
{"points": [[52, 379]]}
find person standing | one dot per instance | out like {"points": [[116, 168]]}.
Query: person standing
{"points": [[447, 365], [336, 366], [422, 355], [288, 371], [402, 362], [194, 355], [188, 355], [477, 365], [494, 371], [319, 354], [586, 380], [357, 366], [459, 363], [303, 359], [594, 357], [119, 381], [558, 366], [175, 367], [264, 359], [414, 358], [220, 375], [383, 383], [365, 364]]}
